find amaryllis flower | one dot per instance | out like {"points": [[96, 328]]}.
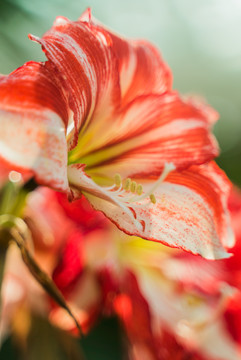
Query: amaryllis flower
{"points": [[100, 118]]}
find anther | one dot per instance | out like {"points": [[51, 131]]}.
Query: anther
{"points": [[133, 186], [127, 184], [117, 179], [139, 189], [152, 198]]}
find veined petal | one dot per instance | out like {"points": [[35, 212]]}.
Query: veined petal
{"points": [[133, 310], [141, 67], [200, 103], [190, 325], [189, 213], [162, 322], [151, 131], [33, 120], [211, 183], [83, 55]]}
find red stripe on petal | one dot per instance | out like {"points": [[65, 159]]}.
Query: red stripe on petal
{"points": [[82, 54], [134, 312], [142, 69], [151, 131], [32, 87], [211, 183], [70, 267]]}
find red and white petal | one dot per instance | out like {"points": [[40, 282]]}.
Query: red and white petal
{"points": [[213, 186], [194, 272], [141, 67], [200, 103], [198, 328], [133, 310], [33, 120], [190, 212], [82, 54], [151, 131]]}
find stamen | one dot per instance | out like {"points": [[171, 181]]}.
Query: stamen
{"points": [[167, 169], [152, 198], [139, 189], [117, 180], [133, 186], [119, 194], [127, 184]]}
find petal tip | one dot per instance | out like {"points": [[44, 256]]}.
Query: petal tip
{"points": [[217, 256], [34, 38], [86, 16]]}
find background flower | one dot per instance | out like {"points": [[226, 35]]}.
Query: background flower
{"points": [[170, 303]]}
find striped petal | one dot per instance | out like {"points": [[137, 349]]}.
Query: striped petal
{"points": [[151, 131], [141, 67], [134, 312], [82, 54], [142, 70], [197, 327], [33, 120], [190, 212]]}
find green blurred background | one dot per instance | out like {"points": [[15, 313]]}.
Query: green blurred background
{"points": [[200, 40]]}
